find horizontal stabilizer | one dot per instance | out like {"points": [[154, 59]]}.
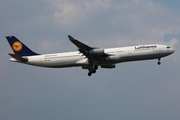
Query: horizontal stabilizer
{"points": [[18, 57]]}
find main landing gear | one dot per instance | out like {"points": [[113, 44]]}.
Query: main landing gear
{"points": [[159, 61], [92, 70]]}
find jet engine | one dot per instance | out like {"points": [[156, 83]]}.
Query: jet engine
{"points": [[97, 52], [112, 58], [108, 66]]}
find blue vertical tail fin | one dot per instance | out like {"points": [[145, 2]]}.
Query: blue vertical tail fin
{"points": [[19, 48]]}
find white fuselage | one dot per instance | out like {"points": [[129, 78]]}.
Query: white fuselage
{"points": [[115, 55]]}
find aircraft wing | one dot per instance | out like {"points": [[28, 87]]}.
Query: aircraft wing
{"points": [[79, 44], [95, 56], [85, 50]]}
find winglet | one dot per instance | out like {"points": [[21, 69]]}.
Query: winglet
{"points": [[71, 38], [19, 48]]}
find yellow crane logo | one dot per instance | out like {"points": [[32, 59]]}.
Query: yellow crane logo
{"points": [[17, 46]]}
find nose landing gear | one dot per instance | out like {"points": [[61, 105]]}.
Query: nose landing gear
{"points": [[159, 62]]}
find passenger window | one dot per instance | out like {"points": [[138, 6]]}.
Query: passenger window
{"points": [[168, 47]]}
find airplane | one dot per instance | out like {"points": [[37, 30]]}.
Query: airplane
{"points": [[87, 57]]}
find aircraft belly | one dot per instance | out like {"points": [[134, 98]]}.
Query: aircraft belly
{"points": [[62, 62], [82, 62], [140, 57], [146, 56]]}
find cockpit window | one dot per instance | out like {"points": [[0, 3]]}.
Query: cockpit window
{"points": [[168, 47]]}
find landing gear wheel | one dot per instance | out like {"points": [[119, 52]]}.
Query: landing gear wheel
{"points": [[159, 63], [94, 71], [96, 67], [90, 73]]}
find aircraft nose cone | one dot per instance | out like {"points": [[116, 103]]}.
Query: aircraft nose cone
{"points": [[172, 50]]}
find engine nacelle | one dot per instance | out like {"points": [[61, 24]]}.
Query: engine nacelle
{"points": [[113, 58], [97, 52], [108, 66]]}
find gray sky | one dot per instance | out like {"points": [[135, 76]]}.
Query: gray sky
{"points": [[131, 91]]}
